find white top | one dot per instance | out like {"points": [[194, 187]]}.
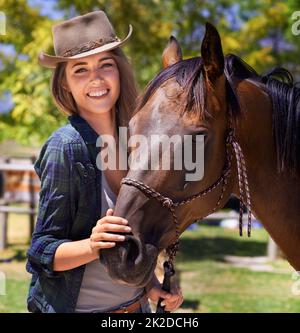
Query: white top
{"points": [[98, 291]]}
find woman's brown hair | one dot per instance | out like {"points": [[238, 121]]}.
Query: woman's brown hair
{"points": [[128, 89]]}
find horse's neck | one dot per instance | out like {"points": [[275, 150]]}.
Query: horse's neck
{"points": [[275, 197]]}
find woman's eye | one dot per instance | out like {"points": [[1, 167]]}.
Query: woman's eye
{"points": [[106, 65], [80, 70]]}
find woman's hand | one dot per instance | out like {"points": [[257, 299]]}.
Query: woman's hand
{"points": [[102, 236], [172, 300]]}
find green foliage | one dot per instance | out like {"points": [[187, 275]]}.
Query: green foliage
{"points": [[256, 30], [33, 116]]}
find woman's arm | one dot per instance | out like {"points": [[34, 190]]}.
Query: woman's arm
{"points": [[54, 216], [70, 255]]}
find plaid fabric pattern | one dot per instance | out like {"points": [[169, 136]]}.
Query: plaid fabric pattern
{"points": [[69, 207]]}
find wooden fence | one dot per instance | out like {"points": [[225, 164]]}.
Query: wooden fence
{"points": [[20, 185]]}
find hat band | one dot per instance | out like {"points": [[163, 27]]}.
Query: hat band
{"points": [[89, 46]]}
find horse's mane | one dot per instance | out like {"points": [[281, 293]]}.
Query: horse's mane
{"points": [[284, 94], [285, 97]]}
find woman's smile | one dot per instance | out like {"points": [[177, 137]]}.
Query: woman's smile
{"points": [[98, 94]]}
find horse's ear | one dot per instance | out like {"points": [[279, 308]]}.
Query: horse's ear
{"points": [[172, 53], [212, 53]]}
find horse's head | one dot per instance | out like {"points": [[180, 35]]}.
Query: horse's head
{"points": [[186, 100]]}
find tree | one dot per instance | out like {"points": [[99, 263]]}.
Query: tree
{"points": [[258, 31], [33, 116]]}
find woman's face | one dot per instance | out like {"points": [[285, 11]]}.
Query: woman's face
{"points": [[94, 82]]}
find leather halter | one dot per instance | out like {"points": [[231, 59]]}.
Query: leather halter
{"points": [[244, 197]]}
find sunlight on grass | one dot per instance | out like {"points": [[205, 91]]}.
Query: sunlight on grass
{"points": [[15, 299], [210, 285]]}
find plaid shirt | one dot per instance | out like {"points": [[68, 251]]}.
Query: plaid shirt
{"points": [[69, 207]]}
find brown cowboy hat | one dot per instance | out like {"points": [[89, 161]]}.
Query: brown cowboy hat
{"points": [[80, 37]]}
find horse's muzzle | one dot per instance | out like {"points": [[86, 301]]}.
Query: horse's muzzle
{"points": [[130, 262]]}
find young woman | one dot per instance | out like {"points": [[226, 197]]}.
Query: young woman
{"points": [[93, 83]]}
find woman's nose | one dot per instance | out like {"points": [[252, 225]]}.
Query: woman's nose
{"points": [[96, 79], [96, 75]]}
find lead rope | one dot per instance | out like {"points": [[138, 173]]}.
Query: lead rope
{"points": [[166, 286], [244, 196]]}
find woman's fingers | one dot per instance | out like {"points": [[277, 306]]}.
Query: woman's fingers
{"points": [[174, 301], [109, 212], [103, 245], [112, 219], [108, 231], [97, 237], [171, 300], [108, 227], [172, 305]]}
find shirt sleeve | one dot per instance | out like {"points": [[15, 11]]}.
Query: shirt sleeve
{"points": [[54, 214]]}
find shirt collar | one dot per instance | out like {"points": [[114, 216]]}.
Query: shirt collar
{"points": [[85, 130]]}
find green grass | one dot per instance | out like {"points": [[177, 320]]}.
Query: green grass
{"points": [[12, 264], [15, 298], [209, 283]]}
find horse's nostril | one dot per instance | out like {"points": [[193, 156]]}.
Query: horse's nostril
{"points": [[134, 251]]}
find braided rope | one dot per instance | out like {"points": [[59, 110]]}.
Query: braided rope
{"points": [[246, 188], [241, 186]]}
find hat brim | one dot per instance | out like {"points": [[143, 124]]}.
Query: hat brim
{"points": [[50, 61]]}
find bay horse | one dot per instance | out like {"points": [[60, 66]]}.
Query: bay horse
{"points": [[251, 125]]}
